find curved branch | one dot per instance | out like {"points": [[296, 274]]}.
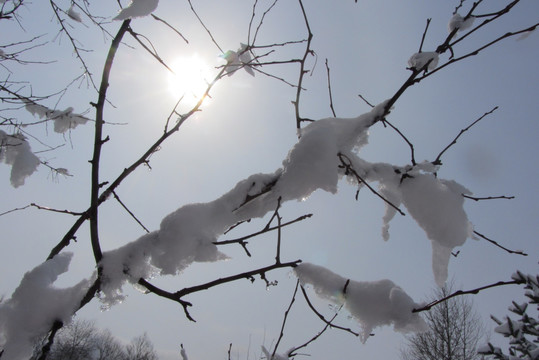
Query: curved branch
{"points": [[465, 292]]}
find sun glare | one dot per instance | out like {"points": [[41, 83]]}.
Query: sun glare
{"points": [[190, 79]]}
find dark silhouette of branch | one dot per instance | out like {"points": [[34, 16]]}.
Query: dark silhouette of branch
{"points": [[285, 318], [171, 27], [347, 165], [329, 90], [205, 27], [488, 198], [424, 34], [56, 210], [99, 141], [151, 51], [477, 51], [412, 151], [438, 161], [302, 70], [517, 252], [365, 100], [14, 210], [466, 292], [177, 296], [328, 322], [264, 230], [76, 48], [129, 211], [259, 26]]}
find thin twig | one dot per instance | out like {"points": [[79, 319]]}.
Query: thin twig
{"points": [[205, 27], [488, 197], [129, 211], [170, 26], [412, 151], [517, 252], [424, 34], [438, 161], [281, 334], [302, 70], [266, 229], [464, 292], [365, 100], [329, 90], [56, 210], [349, 169], [13, 210], [328, 322]]}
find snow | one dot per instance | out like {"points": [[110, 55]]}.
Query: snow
{"points": [[238, 59], [187, 235], [64, 120], [35, 305], [459, 23], [268, 356], [137, 8], [419, 60], [372, 304], [15, 151], [73, 14]]}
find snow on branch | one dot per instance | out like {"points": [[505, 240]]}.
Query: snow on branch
{"points": [[64, 120], [372, 304], [36, 305], [16, 151]]}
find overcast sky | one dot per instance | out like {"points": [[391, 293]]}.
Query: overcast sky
{"points": [[248, 127]]}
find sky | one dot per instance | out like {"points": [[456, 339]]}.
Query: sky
{"points": [[248, 127]]}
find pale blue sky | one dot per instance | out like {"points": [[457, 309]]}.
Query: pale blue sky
{"points": [[249, 128]]}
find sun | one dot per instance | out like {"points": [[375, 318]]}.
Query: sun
{"points": [[190, 79]]}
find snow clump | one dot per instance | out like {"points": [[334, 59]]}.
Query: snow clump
{"points": [[418, 60], [238, 59], [137, 8], [458, 22], [372, 304], [35, 305], [64, 120], [15, 151]]}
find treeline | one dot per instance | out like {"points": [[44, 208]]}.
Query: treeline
{"points": [[82, 340]]}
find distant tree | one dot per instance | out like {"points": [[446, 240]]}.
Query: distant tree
{"points": [[454, 331], [75, 341], [523, 333], [141, 348], [82, 340]]}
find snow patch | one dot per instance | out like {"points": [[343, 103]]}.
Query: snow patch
{"points": [[15, 151], [419, 60], [64, 120], [372, 304], [35, 305], [459, 23], [137, 8]]}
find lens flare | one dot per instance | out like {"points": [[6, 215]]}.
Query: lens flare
{"points": [[190, 79]]}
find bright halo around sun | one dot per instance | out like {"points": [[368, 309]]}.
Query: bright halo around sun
{"points": [[190, 79]]}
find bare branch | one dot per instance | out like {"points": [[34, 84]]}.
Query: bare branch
{"points": [[321, 317], [287, 311], [329, 90], [424, 34], [488, 198], [465, 292], [170, 26], [438, 161], [516, 252], [347, 165], [205, 27], [129, 211]]}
